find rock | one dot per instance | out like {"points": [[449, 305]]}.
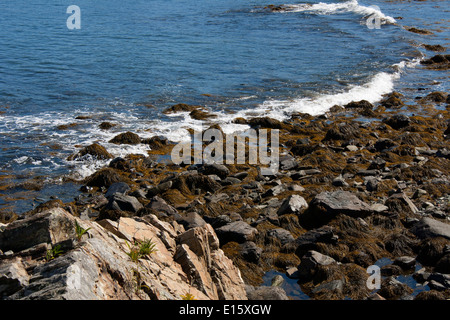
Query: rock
{"points": [[339, 181], [430, 228], [228, 181], [99, 268], [218, 169], [267, 293], [119, 188], [103, 178], [293, 204], [329, 204], [343, 131], [105, 125], [436, 96], [310, 262], [156, 142], [392, 100], [393, 289], [51, 226], [94, 150], [265, 122], [307, 241], [162, 207], [120, 164], [126, 138], [180, 107], [238, 231], [443, 265], [123, 202], [276, 190], [383, 145], [363, 104], [277, 281], [398, 121], [250, 251], [282, 235], [405, 262], [191, 220], [160, 188]]}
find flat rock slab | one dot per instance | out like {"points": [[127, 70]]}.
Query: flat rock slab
{"points": [[341, 202], [431, 228]]}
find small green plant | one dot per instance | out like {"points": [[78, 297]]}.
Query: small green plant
{"points": [[147, 247], [80, 231], [138, 282], [53, 252], [188, 296], [140, 249]]}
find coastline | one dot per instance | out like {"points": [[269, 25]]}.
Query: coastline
{"points": [[356, 185]]}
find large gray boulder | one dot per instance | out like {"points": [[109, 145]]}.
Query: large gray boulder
{"points": [[238, 231]]}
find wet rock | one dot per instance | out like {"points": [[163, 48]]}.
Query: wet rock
{"points": [[120, 164], [180, 107], [310, 262], [156, 142], [383, 145], [343, 131], [392, 100], [436, 96], [398, 121], [437, 47], [103, 178], [439, 62], [431, 250], [419, 31], [106, 125], [250, 251], [201, 115], [405, 262], [363, 104], [189, 183], [126, 138], [94, 150], [265, 122], [277, 281], [308, 240], [293, 204], [238, 231]]}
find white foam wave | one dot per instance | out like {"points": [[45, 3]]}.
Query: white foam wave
{"points": [[340, 7]]}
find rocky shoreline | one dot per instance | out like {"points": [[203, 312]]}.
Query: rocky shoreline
{"points": [[358, 184]]}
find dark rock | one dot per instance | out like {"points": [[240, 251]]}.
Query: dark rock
{"points": [[156, 142], [238, 231], [392, 100], [191, 220], [429, 228], [161, 206], [308, 240], [123, 202], [392, 289], [405, 262], [281, 235], [430, 295], [310, 262], [443, 265], [327, 205], [265, 122], [50, 226], [160, 188], [120, 164], [250, 251], [383, 145], [106, 125], [436, 96], [118, 187], [103, 178], [126, 138], [343, 131], [398, 121], [363, 104], [94, 150], [431, 250], [228, 181], [180, 107], [189, 183]]}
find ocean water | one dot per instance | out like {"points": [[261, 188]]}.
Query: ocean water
{"points": [[129, 61]]}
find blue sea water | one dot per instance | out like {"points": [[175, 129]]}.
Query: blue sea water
{"points": [[131, 60]]}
